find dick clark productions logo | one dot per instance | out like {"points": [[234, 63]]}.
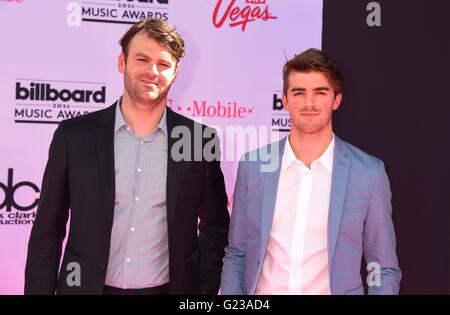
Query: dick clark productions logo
{"points": [[10, 190], [241, 15]]}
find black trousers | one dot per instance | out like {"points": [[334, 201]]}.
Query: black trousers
{"points": [[160, 290]]}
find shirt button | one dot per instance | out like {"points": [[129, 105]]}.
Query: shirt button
{"points": [[139, 170], [132, 229], [142, 142], [128, 259], [137, 198]]}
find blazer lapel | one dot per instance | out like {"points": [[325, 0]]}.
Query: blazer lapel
{"points": [[105, 158], [270, 180], [341, 167], [174, 170], [269, 194]]}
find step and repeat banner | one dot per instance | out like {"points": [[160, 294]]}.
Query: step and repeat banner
{"points": [[58, 59]]}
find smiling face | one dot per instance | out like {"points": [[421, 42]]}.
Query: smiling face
{"points": [[310, 100], [149, 71]]}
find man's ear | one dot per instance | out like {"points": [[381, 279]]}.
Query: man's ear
{"points": [[337, 101], [175, 72], [284, 100], [121, 62]]}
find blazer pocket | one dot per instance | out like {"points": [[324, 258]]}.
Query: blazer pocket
{"points": [[192, 168], [194, 256], [191, 173], [356, 204], [72, 252], [192, 180], [358, 291]]}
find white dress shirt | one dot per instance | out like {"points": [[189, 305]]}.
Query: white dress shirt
{"points": [[296, 260]]}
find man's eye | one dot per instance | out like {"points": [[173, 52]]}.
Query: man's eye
{"points": [[163, 64], [141, 59]]}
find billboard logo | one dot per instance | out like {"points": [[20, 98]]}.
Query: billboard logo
{"points": [[45, 92], [281, 120], [50, 101], [240, 15]]}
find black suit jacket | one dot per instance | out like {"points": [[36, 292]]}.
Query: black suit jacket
{"points": [[80, 176]]}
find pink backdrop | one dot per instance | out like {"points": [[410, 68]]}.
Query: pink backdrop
{"points": [[230, 78]]}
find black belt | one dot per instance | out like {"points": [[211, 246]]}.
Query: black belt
{"points": [[160, 290]]}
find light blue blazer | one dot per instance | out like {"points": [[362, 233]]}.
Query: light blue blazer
{"points": [[359, 221]]}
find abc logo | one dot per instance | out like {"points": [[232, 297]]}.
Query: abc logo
{"points": [[10, 189]]}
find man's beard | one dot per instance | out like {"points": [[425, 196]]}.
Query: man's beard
{"points": [[310, 128], [141, 95]]}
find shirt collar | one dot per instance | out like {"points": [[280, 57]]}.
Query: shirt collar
{"points": [[163, 122], [326, 159], [120, 121], [288, 156]]}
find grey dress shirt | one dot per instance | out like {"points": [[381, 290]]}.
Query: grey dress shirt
{"points": [[139, 254]]}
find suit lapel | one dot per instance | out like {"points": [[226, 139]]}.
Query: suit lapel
{"points": [[105, 157], [269, 193], [341, 167], [270, 180], [174, 170]]}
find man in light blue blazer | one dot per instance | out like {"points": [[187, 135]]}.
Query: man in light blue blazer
{"points": [[308, 207]]}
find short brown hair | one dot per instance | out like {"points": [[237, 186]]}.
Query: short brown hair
{"points": [[314, 60], [160, 31]]}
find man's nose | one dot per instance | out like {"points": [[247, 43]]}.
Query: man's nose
{"points": [[309, 100], [152, 69]]}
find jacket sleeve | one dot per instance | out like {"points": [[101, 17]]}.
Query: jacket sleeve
{"points": [[235, 253], [379, 240], [213, 225], [49, 229]]}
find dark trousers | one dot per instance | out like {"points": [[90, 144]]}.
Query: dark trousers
{"points": [[161, 290]]}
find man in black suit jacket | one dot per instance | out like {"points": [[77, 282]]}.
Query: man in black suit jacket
{"points": [[81, 175]]}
